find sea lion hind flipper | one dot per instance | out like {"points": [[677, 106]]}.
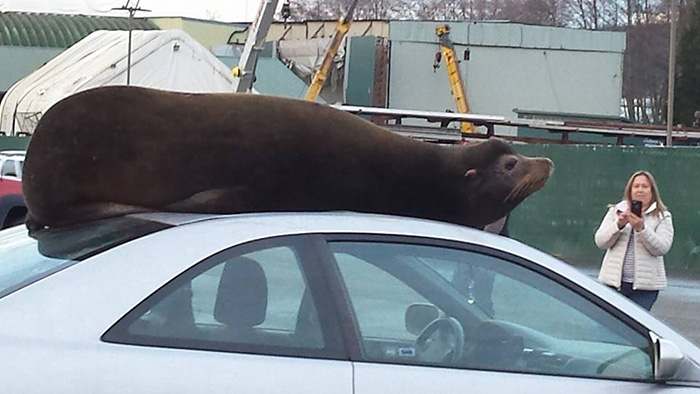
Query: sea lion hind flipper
{"points": [[226, 200], [83, 213]]}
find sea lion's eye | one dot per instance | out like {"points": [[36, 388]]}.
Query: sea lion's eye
{"points": [[510, 164]]}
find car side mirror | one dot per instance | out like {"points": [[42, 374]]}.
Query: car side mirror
{"points": [[418, 316], [667, 358]]}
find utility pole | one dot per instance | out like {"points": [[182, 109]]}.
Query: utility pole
{"points": [[132, 11], [671, 74]]}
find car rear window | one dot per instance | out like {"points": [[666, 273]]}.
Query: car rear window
{"points": [[26, 259]]}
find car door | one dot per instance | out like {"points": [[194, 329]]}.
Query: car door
{"points": [[251, 319], [441, 317]]}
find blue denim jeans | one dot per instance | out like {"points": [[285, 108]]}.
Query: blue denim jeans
{"points": [[645, 298]]}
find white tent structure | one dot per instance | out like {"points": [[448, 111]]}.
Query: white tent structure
{"points": [[162, 59]]}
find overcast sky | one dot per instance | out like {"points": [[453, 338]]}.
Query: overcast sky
{"points": [[222, 10]]}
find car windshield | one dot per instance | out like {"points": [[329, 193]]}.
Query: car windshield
{"points": [[26, 259]]}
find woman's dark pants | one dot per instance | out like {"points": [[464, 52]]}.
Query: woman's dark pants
{"points": [[644, 298]]}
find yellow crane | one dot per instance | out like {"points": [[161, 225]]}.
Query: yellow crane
{"points": [[319, 78], [456, 85]]}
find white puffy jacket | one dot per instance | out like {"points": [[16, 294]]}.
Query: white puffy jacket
{"points": [[650, 245]]}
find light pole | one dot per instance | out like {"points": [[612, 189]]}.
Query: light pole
{"points": [[132, 10], [671, 74]]}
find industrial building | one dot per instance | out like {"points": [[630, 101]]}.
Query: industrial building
{"points": [[504, 66]]}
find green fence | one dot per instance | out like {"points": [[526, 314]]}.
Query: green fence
{"points": [[562, 218], [13, 143]]}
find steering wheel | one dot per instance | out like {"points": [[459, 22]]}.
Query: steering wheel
{"points": [[433, 343]]}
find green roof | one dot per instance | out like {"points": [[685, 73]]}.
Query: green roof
{"points": [[58, 30]]}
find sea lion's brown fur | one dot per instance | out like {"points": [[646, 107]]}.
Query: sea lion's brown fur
{"points": [[115, 150]]}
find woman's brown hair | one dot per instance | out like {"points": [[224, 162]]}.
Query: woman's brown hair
{"points": [[655, 196]]}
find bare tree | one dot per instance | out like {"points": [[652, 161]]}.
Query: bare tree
{"points": [[596, 14], [537, 12], [644, 86], [314, 9], [688, 76], [645, 75], [365, 9]]}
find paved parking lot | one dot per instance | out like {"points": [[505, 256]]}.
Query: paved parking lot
{"points": [[679, 307]]}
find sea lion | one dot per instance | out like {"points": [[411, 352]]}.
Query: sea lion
{"points": [[117, 150]]}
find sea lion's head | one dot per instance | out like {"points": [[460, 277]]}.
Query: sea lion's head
{"points": [[497, 179]]}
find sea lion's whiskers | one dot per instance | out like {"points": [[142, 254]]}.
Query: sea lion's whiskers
{"points": [[513, 192], [517, 190], [529, 184]]}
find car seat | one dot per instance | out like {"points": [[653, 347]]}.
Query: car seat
{"points": [[241, 301]]}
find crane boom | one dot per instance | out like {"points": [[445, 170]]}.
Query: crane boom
{"points": [[319, 78], [456, 84], [245, 71]]}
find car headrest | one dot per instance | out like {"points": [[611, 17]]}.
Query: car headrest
{"points": [[241, 300]]}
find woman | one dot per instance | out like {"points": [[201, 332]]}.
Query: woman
{"points": [[633, 262]]}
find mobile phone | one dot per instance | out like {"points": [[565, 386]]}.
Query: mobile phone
{"points": [[637, 208]]}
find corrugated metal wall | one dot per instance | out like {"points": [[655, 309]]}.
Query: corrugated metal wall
{"points": [[57, 30], [28, 40], [12, 143], [506, 66]]}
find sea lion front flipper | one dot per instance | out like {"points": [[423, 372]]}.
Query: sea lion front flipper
{"points": [[227, 200], [32, 224]]}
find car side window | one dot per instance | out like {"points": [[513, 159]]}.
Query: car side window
{"points": [[471, 310], [256, 302], [373, 321]]}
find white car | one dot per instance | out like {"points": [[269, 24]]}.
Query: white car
{"points": [[316, 303]]}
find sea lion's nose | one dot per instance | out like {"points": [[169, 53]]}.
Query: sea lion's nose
{"points": [[551, 166], [546, 162]]}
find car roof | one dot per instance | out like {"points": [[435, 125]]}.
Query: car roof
{"points": [[13, 153], [331, 222], [342, 222], [286, 223]]}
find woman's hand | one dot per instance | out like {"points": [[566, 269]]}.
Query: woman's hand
{"points": [[623, 219], [636, 221]]}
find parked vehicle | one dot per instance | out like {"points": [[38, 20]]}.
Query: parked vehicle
{"points": [[316, 303], [12, 207]]}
